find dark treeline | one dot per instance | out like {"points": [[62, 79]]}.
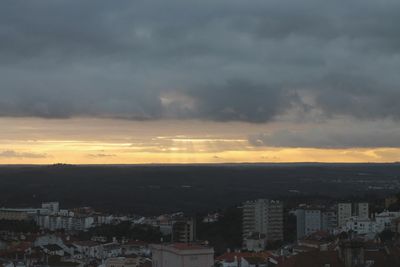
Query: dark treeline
{"points": [[18, 226], [151, 190], [124, 230]]}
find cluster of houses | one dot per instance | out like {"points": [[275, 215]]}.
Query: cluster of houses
{"points": [[345, 234], [50, 217], [56, 249]]}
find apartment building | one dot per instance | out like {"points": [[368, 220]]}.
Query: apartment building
{"points": [[184, 230], [263, 216], [348, 210]]}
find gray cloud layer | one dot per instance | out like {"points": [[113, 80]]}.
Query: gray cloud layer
{"points": [[335, 134], [217, 60], [15, 154]]}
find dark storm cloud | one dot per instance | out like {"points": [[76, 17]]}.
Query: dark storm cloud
{"points": [[217, 60], [242, 100], [336, 134]]}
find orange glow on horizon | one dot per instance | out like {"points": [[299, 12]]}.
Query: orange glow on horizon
{"points": [[91, 141]]}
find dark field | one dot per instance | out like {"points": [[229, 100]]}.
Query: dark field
{"points": [[154, 189]]}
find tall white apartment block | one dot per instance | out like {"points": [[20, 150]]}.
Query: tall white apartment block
{"points": [[362, 210], [348, 210], [263, 216], [344, 213], [309, 220]]}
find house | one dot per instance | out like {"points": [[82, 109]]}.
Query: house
{"points": [[53, 249], [89, 249], [111, 250], [135, 247]]}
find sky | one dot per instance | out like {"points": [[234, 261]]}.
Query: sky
{"points": [[187, 81]]}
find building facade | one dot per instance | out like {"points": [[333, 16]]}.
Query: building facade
{"points": [[184, 230], [348, 210], [182, 255], [264, 217], [308, 221], [53, 207]]}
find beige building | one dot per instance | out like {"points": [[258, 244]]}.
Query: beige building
{"points": [[390, 201], [14, 214], [182, 255]]}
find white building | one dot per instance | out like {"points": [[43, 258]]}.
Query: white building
{"points": [[103, 219], [361, 225], [265, 217], [256, 242], [308, 221], [348, 210], [69, 223], [344, 213], [384, 219], [112, 250], [311, 219], [182, 255], [136, 247], [329, 220], [53, 207], [361, 210], [89, 249]]}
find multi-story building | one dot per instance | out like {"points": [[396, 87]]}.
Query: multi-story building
{"points": [[361, 210], [344, 213], [348, 210], [20, 214], [182, 255], [69, 223], [329, 220], [309, 221], [184, 230], [14, 215], [313, 219], [361, 225], [264, 217], [385, 219], [53, 207]]}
